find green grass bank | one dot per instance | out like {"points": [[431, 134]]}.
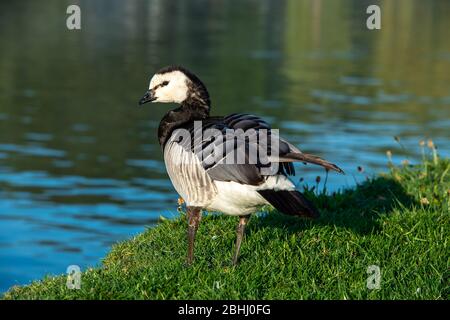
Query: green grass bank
{"points": [[398, 221]]}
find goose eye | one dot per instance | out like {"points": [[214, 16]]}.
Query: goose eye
{"points": [[165, 83]]}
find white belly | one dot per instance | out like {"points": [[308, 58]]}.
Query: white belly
{"points": [[237, 199]]}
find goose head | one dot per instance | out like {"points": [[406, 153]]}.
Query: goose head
{"points": [[176, 85]]}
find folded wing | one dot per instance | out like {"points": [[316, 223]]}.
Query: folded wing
{"points": [[239, 148]]}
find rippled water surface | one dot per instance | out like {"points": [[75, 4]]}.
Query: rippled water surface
{"points": [[80, 167]]}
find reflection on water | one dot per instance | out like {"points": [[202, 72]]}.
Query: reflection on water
{"points": [[80, 167]]}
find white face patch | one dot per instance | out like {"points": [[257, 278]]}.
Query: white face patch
{"points": [[169, 87]]}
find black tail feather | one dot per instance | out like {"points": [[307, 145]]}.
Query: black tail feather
{"points": [[290, 202]]}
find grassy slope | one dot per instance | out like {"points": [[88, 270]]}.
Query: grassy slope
{"points": [[383, 222]]}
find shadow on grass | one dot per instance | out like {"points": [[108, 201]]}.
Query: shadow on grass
{"points": [[357, 209]]}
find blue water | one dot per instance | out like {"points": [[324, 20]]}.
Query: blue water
{"points": [[80, 166]]}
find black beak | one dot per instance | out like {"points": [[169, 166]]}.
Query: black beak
{"points": [[148, 97]]}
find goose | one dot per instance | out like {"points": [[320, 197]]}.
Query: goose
{"points": [[216, 181]]}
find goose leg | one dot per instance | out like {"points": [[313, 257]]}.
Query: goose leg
{"points": [[239, 235], [194, 215]]}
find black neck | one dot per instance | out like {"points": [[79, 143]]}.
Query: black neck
{"points": [[190, 110]]}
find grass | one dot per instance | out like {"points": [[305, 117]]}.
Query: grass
{"points": [[398, 221]]}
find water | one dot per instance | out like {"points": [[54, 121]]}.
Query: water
{"points": [[80, 167]]}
